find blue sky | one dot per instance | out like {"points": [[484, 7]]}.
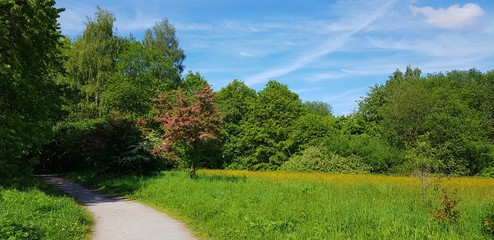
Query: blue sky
{"points": [[330, 51]]}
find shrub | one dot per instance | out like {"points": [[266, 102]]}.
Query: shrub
{"points": [[487, 172], [115, 145], [63, 153], [449, 212], [313, 159], [373, 151]]}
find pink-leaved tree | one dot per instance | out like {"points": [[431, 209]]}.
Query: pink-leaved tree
{"points": [[188, 121]]}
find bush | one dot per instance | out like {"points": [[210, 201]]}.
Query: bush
{"points": [[116, 145], [487, 172], [63, 153], [449, 212], [313, 159], [373, 151]]}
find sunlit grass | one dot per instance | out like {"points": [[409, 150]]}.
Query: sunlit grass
{"points": [[28, 212], [275, 205]]}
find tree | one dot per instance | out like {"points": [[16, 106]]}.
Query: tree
{"points": [[233, 102], [194, 82], [449, 113], [143, 70], [319, 108], [310, 130], [188, 122], [266, 126], [30, 58], [166, 54], [119, 76], [92, 62]]}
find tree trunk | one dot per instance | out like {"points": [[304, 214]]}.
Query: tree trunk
{"points": [[192, 170]]}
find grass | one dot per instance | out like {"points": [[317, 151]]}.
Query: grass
{"points": [[275, 205], [30, 210]]}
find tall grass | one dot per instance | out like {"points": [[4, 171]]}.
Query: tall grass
{"points": [[274, 205], [32, 211]]}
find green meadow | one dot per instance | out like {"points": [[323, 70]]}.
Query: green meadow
{"points": [[223, 204]]}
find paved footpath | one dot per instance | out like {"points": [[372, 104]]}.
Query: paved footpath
{"points": [[121, 219]]}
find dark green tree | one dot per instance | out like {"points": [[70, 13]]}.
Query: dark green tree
{"points": [[194, 82], [233, 103], [30, 59], [266, 127], [447, 113]]}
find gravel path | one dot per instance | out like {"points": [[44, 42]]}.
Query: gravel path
{"points": [[121, 219]]}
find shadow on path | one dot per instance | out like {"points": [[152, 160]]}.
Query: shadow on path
{"points": [[121, 219], [80, 193]]}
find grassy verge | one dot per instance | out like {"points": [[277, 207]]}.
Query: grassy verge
{"points": [[30, 210], [274, 205]]}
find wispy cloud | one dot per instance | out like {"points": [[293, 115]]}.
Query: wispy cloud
{"points": [[137, 22], [73, 22], [305, 90], [455, 16], [324, 49], [343, 102]]}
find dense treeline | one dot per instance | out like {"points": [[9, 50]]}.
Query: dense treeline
{"points": [[443, 120], [117, 104]]}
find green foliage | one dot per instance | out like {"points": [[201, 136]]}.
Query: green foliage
{"points": [[233, 103], [234, 100], [119, 76], [313, 159], [162, 40], [447, 111], [194, 82], [318, 108], [374, 151], [487, 172], [17, 231], [265, 127], [118, 146], [29, 98], [92, 61], [309, 130], [64, 152]]}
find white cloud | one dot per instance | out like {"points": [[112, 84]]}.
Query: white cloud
{"points": [[305, 90], [351, 27], [345, 101], [137, 23], [73, 22], [452, 45], [452, 17]]}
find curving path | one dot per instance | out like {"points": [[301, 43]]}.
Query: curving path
{"points": [[121, 219]]}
